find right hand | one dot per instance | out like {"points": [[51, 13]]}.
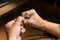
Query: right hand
{"points": [[35, 20]]}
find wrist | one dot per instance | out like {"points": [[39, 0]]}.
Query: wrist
{"points": [[42, 24]]}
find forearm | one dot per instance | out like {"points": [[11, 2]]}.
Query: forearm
{"points": [[52, 28]]}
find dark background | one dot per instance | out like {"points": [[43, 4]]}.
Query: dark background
{"points": [[51, 2], [50, 16]]}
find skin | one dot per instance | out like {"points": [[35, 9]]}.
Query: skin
{"points": [[37, 22], [15, 28]]}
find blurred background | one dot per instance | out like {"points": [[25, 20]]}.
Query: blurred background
{"points": [[47, 9]]}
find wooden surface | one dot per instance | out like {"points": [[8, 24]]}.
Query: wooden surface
{"points": [[2, 34], [11, 6]]}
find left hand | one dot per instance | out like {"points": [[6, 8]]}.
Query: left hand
{"points": [[15, 28]]}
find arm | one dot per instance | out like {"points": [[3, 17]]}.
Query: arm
{"points": [[51, 27]]}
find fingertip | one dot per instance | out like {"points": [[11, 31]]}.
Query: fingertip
{"points": [[19, 19], [25, 21], [19, 38], [23, 30]]}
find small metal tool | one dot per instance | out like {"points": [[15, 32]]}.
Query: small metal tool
{"points": [[27, 16]]}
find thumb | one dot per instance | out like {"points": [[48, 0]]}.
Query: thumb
{"points": [[18, 21]]}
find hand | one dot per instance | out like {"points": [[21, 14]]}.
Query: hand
{"points": [[15, 28], [35, 20]]}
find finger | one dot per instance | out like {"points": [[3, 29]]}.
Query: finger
{"points": [[18, 21], [24, 21], [26, 13], [19, 38], [15, 30], [22, 30], [9, 24], [30, 12]]}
